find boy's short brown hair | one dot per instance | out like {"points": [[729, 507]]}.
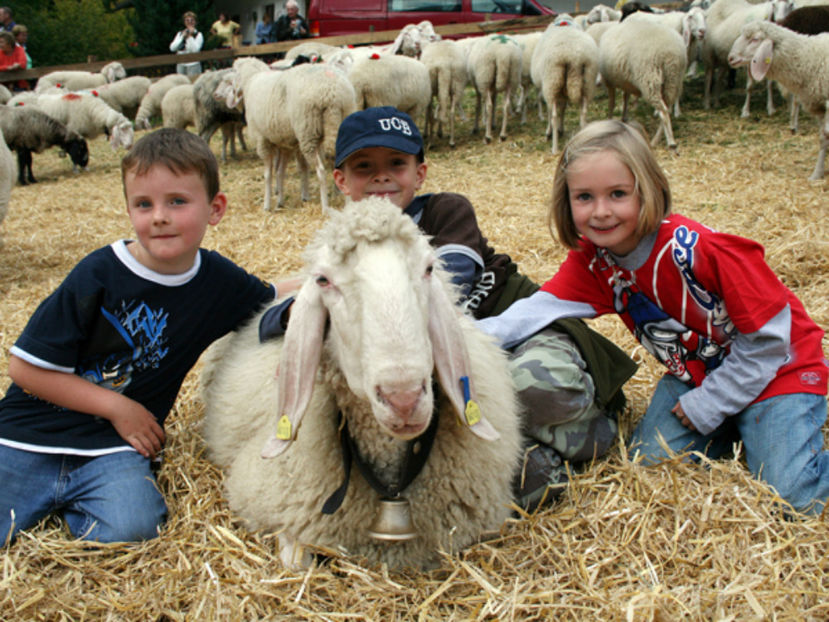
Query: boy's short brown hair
{"points": [[180, 151]]}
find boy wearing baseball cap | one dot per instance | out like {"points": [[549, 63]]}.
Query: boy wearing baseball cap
{"points": [[569, 414]]}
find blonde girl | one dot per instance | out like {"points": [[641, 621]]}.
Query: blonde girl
{"points": [[743, 358]]}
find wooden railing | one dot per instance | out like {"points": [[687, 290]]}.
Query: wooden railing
{"points": [[522, 24]]}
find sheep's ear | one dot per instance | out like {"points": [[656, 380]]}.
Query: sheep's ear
{"points": [[686, 30], [301, 350], [761, 61], [452, 361]]}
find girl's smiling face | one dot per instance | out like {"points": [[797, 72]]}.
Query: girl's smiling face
{"points": [[604, 201]]}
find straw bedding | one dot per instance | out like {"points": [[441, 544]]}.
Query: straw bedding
{"points": [[626, 542]]}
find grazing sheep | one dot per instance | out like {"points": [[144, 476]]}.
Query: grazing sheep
{"points": [[88, 116], [178, 107], [151, 102], [495, 67], [807, 20], [370, 326], [212, 113], [724, 20], [125, 95], [27, 129], [80, 80], [690, 24], [446, 63], [527, 41], [6, 180], [564, 67], [392, 80], [603, 13], [655, 71], [296, 111], [797, 61]]}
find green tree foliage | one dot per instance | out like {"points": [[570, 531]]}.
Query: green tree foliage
{"points": [[155, 23], [70, 31]]}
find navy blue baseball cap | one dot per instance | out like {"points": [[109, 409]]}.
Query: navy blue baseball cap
{"points": [[384, 126]]}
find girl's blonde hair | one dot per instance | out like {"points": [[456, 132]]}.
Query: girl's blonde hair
{"points": [[630, 145]]}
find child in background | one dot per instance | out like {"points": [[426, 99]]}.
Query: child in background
{"points": [[569, 378], [99, 364], [744, 360]]}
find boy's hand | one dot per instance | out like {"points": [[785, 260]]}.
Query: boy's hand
{"points": [[683, 418], [138, 427]]}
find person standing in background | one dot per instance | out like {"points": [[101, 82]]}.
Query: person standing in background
{"points": [[21, 36], [225, 28], [265, 30], [6, 21], [291, 25], [188, 41]]}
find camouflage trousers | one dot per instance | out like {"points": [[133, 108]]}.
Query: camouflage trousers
{"points": [[562, 421]]}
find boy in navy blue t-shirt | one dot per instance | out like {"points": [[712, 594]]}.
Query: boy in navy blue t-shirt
{"points": [[99, 364]]}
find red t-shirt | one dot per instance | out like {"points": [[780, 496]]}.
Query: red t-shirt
{"points": [[17, 55], [691, 296]]}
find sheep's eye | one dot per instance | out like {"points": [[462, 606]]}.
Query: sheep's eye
{"points": [[323, 281], [429, 269]]}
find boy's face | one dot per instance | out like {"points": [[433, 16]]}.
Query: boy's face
{"points": [[381, 171], [170, 213]]}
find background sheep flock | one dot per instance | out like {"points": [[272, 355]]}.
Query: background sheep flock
{"points": [[625, 542]]}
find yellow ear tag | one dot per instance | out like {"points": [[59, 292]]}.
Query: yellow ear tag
{"points": [[473, 412], [768, 60], [283, 428]]}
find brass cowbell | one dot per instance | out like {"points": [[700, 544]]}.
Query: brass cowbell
{"points": [[393, 522]]}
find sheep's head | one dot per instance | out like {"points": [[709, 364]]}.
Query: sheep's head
{"points": [[121, 135], [376, 294], [754, 47], [229, 90]]}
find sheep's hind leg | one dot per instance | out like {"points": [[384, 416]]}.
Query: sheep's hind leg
{"points": [[817, 175], [503, 135], [302, 165]]}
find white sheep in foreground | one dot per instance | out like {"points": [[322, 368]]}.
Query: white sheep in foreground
{"points": [[151, 102], [392, 80], [8, 170], [798, 62], [654, 71], [446, 63], [564, 67], [87, 115], [724, 20], [371, 332], [495, 64], [80, 80], [296, 111], [178, 108], [125, 95]]}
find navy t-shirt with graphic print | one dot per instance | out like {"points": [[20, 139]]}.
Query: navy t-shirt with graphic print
{"points": [[120, 325]]}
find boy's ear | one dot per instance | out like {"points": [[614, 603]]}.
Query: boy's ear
{"points": [[420, 175], [218, 207], [339, 180]]}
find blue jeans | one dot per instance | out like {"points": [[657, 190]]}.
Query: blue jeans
{"points": [[781, 436], [111, 498]]}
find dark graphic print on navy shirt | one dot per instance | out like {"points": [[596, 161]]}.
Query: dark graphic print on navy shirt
{"points": [[122, 326]]}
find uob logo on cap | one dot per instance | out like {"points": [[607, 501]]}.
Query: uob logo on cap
{"points": [[383, 126]]}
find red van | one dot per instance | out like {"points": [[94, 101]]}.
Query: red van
{"points": [[343, 17]]}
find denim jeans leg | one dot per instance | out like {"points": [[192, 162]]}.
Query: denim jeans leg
{"points": [[114, 498], [658, 421], [783, 442], [27, 494]]}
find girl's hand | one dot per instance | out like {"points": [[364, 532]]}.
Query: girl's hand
{"points": [[683, 418], [138, 427]]}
